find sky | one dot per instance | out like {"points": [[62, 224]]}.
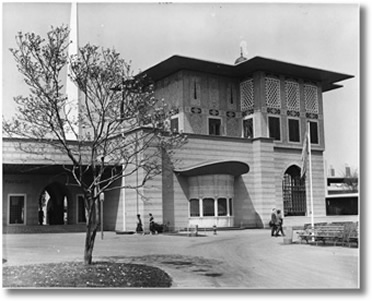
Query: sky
{"points": [[324, 36]]}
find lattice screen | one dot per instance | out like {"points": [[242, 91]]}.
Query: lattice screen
{"points": [[246, 95], [311, 99], [272, 88], [292, 95]]}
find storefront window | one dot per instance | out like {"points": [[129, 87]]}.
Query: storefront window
{"points": [[222, 207], [194, 207], [208, 207]]}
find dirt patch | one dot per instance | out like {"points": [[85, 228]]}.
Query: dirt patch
{"points": [[73, 274]]}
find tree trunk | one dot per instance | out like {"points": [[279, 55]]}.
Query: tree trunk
{"points": [[92, 227]]}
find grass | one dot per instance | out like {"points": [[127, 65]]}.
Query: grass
{"points": [[78, 275]]}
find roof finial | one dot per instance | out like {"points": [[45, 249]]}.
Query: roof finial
{"points": [[243, 50]]}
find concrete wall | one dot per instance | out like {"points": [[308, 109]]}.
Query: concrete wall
{"points": [[255, 193], [32, 186]]}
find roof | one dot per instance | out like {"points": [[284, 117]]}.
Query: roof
{"points": [[176, 63]]}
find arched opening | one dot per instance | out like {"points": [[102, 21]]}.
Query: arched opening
{"points": [[53, 205], [294, 192]]}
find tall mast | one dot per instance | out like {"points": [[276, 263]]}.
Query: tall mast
{"points": [[72, 91]]}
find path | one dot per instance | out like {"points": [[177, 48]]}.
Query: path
{"points": [[230, 259]]}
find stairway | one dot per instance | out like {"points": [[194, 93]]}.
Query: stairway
{"points": [[13, 229]]}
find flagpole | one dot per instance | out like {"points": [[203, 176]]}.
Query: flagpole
{"points": [[72, 91], [310, 178]]}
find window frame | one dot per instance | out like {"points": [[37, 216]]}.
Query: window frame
{"points": [[226, 206], [280, 127], [299, 130], [221, 125], [199, 212], [317, 132], [24, 195], [230, 206], [245, 119], [174, 117], [214, 207]]}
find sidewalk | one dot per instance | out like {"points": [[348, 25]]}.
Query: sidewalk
{"points": [[230, 259]]}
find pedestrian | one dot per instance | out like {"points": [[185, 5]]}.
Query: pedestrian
{"points": [[280, 223], [152, 224], [273, 222], [139, 228]]}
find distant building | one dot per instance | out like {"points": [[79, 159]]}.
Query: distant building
{"points": [[342, 195], [245, 124]]}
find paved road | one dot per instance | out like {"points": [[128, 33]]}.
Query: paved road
{"points": [[230, 259]]}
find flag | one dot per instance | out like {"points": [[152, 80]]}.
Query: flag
{"points": [[304, 154]]}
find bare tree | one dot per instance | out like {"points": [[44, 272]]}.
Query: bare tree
{"points": [[120, 128]]}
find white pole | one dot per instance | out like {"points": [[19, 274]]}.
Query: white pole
{"points": [[310, 178], [72, 103]]}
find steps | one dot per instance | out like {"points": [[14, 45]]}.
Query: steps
{"points": [[13, 229]]}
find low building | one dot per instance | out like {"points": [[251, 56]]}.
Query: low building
{"points": [[246, 125]]}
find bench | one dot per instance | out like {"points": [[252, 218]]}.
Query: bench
{"points": [[328, 232], [351, 234], [344, 233]]}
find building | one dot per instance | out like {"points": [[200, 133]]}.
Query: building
{"points": [[246, 125], [342, 194]]}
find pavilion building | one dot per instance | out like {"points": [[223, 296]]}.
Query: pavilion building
{"points": [[245, 124]]}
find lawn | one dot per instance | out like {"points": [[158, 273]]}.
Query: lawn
{"points": [[78, 275]]}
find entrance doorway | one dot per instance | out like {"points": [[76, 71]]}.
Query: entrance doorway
{"points": [[53, 205], [294, 192]]}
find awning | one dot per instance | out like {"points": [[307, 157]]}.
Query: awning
{"points": [[235, 168]]}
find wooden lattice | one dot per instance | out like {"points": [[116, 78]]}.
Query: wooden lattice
{"points": [[272, 88], [246, 95], [292, 95], [311, 99]]}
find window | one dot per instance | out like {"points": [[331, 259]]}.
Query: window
{"points": [[292, 95], [194, 207], [311, 98], [314, 132], [222, 207], [248, 128], [17, 209], [214, 126], [274, 128], [272, 92], [294, 130], [174, 125], [208, 207], [81, 209], [247, 95], [230, 207]]}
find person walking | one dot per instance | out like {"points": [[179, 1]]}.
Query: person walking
{"points": [[273, 222], [152, 224], [139, 228], [280, 223]]}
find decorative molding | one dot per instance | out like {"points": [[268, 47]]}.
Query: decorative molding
{"points": [[293, 113], [312, 116], [273, 111], [214, 112], [196, 110], [230, 114]]}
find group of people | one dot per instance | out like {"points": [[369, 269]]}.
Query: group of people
{"points": [[276, 223], [139, 228]]}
